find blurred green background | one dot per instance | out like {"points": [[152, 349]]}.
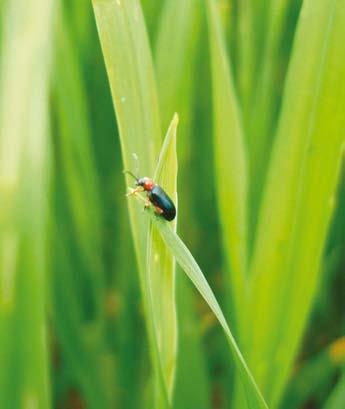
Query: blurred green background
{"points": [[72, 321]]}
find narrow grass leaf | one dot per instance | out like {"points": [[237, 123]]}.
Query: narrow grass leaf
{"points": [[78, 273], [175, 56], [245, 50], [161, 267], [230, 162], [299, 196], [24, 175], [191, 359], [265, 103], [186, 261], [129, 66], [76, 161], [130, 72]]}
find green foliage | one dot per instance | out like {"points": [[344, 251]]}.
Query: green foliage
{"points": [[298, 198], [336, 399], [314, 378], [93, 310], [191, 268], [24, 157], [230, 163], [160, 273]]}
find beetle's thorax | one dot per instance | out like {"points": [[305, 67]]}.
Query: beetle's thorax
{"points": [[147, 183]]}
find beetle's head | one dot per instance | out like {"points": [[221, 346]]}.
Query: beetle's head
{"points": [[146, 183]]}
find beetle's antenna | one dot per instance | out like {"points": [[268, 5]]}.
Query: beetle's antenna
{"points": [[130, 173]]}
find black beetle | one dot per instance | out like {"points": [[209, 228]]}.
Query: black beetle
{"points": [[162, 203]]}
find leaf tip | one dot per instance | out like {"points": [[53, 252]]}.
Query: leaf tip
{"points": [[175, 119]]}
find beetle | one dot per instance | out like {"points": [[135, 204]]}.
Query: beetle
{"points": [[162, 203]]}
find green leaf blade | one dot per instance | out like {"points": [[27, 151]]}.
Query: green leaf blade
{"points": [[298, 202], [161, 267], [77, 267], [24, 180], [191, 268], [176, 51], [230, 162], [130, 71]]}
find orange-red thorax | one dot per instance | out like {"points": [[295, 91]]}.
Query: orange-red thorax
{"points": [[148, 185]]}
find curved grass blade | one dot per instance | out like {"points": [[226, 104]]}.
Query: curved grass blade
{"points": [[298, 200], [175, 55], [191, 357], [230, 163], [262, 119], [186, 261], [24, 175], [175, 52], [161, 267], [78, 271], [129, 66], [245, 50]]}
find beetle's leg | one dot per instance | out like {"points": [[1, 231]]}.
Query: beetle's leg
{"points": [[159, 210], [147, 202], [134, 191]]}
